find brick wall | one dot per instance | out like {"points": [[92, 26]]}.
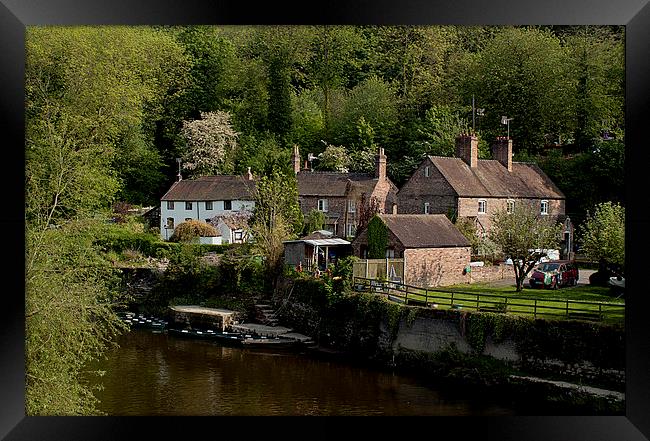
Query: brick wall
{"points": [[481, 274], [384, 191], [468, 207], [419, 189], [436, 266]]}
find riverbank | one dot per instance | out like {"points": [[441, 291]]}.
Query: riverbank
{"points": [[575, 367]]}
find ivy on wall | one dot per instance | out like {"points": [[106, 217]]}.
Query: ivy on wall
{"points": [[377, 238]]}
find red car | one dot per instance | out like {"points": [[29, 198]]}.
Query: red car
{"points": [[554, 274]]}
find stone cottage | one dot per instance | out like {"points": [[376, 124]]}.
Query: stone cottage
{"points": [[465, 186], [340, 195], [435, 253], [205, 198]]}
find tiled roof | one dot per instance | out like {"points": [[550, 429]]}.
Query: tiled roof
{"points": [[333, 183], [211, 188], [491, 179], [424, 230]]}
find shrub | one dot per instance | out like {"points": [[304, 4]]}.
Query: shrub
{"points": [[189, 230]]}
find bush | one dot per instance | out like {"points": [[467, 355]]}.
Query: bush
{"points": [[189, 230]]}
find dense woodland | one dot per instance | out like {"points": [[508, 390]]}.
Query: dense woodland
{"points": [[112, 101], [109, 109]]}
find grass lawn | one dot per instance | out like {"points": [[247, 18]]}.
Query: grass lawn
{"points": [[578, 302]]}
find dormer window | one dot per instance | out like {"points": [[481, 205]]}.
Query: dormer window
{"points": [[427, 171], [544, 208], [482, 206], [426, 208]]}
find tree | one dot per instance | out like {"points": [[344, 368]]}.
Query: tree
{"points": [[192, 229], [334, 158], [211, 143], [603, 234], [314, 221], [276, 218], [70, 296], [368, 207], [524, 236]]}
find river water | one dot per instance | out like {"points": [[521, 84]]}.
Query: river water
{"points": [[157, 374]]}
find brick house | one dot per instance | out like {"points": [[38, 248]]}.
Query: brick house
{"points": [[339, 195], [435, 253], [205, 198], [465, 186]]}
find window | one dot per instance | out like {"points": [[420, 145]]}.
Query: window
{"points": [[427, 172], [238, 235], [426, 208], [227, 205], [170, 223], [322, 205], [170, 205], [390, 253], [188, 205], [510, 207], [544, 207], [352, 230], [188, 219], [208, 205], [482, 206], [352, 206]]}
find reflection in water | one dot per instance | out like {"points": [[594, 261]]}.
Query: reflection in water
{"points": [[155, 374]]}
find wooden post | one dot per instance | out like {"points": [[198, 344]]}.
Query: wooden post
{"points": [[477, 302], [406, 297], [366, 268], [567, 309], [426, 297], [535, 309], [452, 299]]}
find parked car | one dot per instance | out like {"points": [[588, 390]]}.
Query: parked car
{"points": [[554, 274]]}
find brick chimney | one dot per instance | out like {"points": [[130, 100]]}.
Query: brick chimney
{"points": [[467, 149], [295, 159], [502, 151], [380, 164], [249, 174]]}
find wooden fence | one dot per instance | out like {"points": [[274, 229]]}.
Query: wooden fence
{"points": [[570, 309]]}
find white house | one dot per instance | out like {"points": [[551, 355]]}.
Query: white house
{"points": [[204, 198], [233, 229]]}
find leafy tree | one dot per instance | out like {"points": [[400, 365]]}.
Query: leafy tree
{"points": [[334, 158], [314, 221], [211, 143], [69, 318], [307, 120], [331, 49], [368, 208], [276, 218], [523, 73], [524, 236], [190, 230], [603, 234]]}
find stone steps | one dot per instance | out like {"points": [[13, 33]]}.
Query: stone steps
{"points": [[266, 314]]}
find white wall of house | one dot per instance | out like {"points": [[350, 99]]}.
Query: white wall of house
{"points": [[212, 240], [179, 213]]}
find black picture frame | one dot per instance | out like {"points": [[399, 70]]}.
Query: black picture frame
{"points": [[16, 14]]}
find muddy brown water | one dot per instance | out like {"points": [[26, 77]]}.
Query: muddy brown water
{"points": [[158, 374]]}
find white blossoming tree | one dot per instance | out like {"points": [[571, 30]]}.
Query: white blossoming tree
{"points": [[211, 142]]}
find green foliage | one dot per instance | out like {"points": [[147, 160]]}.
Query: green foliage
{"points": [[603, 234], [191, 230], [377, 238], [523, 235], [71, 293], [334, 158], [314, 221]]}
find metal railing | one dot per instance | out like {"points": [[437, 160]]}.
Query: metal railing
{"points": [[439, 298]]}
